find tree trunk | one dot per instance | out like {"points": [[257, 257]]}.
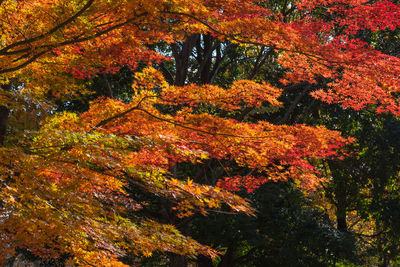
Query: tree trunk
{"points": [[341, 218], [176, 260], [4, 114], [182, 55], [228, 258], [340, 189], [203, 261], [341, 202]]}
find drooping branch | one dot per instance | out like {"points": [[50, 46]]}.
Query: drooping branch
{"points": [[119, 115], [4, 50], [75, 40], [179, 124], [174, 122], [24, 64]]}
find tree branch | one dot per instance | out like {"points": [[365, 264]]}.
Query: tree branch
{"points": [[75, 40], [294, 104], [53, 30]]}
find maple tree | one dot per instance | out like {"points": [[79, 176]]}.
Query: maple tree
{"points": [[362, 194], [64, 182]]}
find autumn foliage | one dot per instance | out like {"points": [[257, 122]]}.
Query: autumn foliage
{"points": [[64, 183]]}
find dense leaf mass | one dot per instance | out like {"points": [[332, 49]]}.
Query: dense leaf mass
{"points": [[67, 177]]}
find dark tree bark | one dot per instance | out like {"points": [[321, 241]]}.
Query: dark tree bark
{"points": [[293, 105], [341, 218], [228, 259], [4, 114], [181, 56], [177, 260], [206, 50], [340, 196]]}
